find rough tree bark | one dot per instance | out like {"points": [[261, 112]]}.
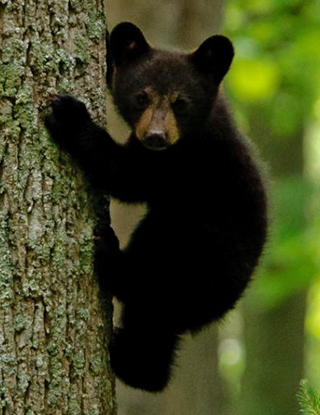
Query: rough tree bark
{"points": [[53, 325]]}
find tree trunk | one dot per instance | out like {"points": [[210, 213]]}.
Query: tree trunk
{"points": [[275, 344], [54, 328], [274, 335]]}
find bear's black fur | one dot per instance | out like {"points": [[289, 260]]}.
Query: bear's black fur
{"points": [[192, 256]]}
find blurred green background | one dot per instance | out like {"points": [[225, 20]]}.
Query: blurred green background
{"points": [[253, 361]]}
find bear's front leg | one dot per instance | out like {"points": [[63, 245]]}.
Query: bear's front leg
{"points": [[71, 127]]}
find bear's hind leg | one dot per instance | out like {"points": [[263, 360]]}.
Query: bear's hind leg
{"points": [[142, 355]]}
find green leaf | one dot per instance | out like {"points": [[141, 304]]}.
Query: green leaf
{"points": [[308, 399], [254, 79]]}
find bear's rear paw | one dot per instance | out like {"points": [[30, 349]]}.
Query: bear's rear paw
{"points": [[142, 359]]}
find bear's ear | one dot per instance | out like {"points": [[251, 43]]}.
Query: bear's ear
{"points": [[214, 56], [127, 43]]}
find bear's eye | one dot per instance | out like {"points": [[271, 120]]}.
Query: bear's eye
{"points": [[142, 100], [180, 106]]}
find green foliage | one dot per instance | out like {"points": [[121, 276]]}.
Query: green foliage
{"points": [[275, 86], [277, 58], [291, 260], [263, 76], [308, 399]]}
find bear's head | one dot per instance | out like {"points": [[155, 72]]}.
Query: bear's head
{"points": [[163, 95]]}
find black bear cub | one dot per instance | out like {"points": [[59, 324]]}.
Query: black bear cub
{"points": [[192, 256]]}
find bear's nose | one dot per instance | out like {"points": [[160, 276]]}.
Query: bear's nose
{"points": [[155, 141]]}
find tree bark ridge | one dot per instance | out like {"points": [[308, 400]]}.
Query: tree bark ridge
{"points": [[53, 325]]}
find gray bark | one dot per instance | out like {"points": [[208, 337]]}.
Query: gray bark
{"points": [[54, 328]]}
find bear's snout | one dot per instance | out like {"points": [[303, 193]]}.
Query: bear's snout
{"points": [[155, 140]]}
